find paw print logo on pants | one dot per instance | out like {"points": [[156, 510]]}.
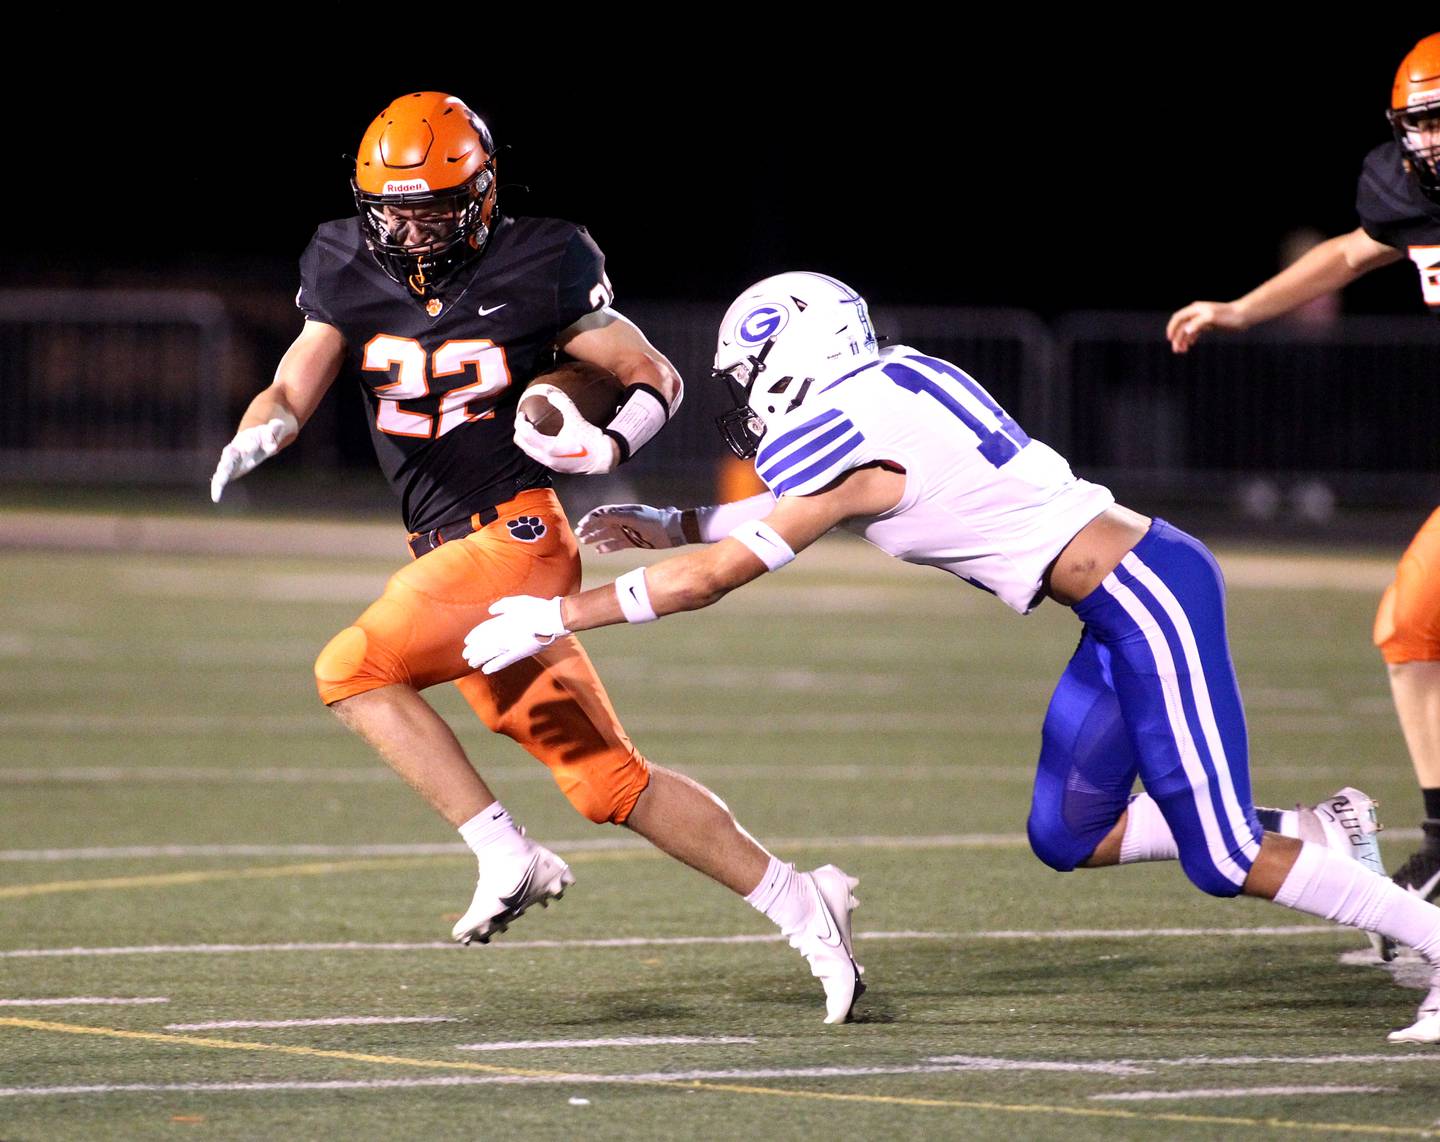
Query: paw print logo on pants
{"points": [[527, 528]]}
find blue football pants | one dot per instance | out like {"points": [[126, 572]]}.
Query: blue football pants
{"points": [[1151, 693]]}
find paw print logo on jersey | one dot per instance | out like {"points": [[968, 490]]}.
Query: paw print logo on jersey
{"points": [[526, 528]]}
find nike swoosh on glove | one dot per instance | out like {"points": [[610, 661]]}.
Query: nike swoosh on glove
{"points": [[251, 446], [523, 625], [579, 448], [614, 527]]}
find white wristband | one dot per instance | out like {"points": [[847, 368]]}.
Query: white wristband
{"points": [[765, 542], [643, 414], [634, 597]]}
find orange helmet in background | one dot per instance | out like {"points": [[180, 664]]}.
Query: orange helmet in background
{"points": [[425, 188], [1415, 114]]}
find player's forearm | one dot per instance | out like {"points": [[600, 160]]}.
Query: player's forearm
{"points": [[1330, 266], [687, 582], [714, 522], [650, 368], [269, 404]]}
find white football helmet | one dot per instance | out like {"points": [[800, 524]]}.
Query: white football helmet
{"points": [[780, 338]]}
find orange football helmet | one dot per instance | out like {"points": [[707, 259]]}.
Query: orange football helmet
{"points": [[1415, 114], [425, 188]]}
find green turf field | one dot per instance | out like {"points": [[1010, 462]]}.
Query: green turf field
{"points": [[182, 824]]}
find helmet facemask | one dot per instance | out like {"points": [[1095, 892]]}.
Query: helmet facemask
{"points": [[741, 427], [420, 237], [1417, 131]]}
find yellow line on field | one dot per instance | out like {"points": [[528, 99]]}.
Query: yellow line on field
{"points": [[273, 1048], [270, 872], [203, 876], [1071, 1111], [727, 1088]]}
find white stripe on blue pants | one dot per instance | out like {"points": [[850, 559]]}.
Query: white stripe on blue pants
{"points": [[1151, 692]]}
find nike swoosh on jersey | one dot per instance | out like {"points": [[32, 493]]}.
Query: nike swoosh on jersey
{"points": [[483, 312]]}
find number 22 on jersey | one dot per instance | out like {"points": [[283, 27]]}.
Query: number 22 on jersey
{"points": [[413, 376]]}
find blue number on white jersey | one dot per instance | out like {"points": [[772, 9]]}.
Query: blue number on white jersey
{"points": [[967, 400]]}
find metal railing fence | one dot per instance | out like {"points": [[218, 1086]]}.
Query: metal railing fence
{"points": [[135, 386]]}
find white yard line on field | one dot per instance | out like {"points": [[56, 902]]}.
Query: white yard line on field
{"points": [[85, 1001], [817, 723], [937, 1065], [436, 848], [333, 1021], [1198, 1061], [622, 1041], [1236, 1092], [672, 941], [579, 1078], [456, 848], [384, 542]]}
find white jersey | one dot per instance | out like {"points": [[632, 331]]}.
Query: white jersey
{"points": [[982, 500]]}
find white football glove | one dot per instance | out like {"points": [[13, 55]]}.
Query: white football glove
{"points": [[579, 448], [614, 527], [250, 447], [523, 625]]}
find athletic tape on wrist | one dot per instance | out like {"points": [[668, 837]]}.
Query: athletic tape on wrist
{"points": [[643, 414], [634, 597], [765, 542]]}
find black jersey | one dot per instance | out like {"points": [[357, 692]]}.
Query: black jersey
{"points": [[442, 376], [1393, 211]]}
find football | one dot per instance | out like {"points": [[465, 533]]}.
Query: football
{"points": [[596, 393]]}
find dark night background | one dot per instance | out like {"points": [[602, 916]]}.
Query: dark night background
{"points": [[1054, 166]]}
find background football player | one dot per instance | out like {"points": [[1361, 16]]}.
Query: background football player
{"points": [[443, 309], [915, 456], [1399, 206]]}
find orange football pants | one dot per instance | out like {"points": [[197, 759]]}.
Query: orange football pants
{"points": [[1407, 626], [553, 704]]}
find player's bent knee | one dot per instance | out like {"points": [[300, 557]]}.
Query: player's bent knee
{"points": [[348, 666], [1203, 874], [1057, 848], [1407, 624], [604, 795]]}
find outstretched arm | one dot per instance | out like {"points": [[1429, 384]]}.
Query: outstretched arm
{"points": [[684, 582], [1329, 266], [278, 412]]}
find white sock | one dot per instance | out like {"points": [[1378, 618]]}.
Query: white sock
{"points": [[491, 834], [1147, 835], [782, 895], [1329, 884]]}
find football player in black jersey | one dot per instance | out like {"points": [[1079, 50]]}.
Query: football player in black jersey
{"points": [[1399, 206], [443, 309]]}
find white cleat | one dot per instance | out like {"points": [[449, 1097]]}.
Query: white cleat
{"points": [[1426, 1028], [825, 941], [1348, 824], [501, 899]]}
